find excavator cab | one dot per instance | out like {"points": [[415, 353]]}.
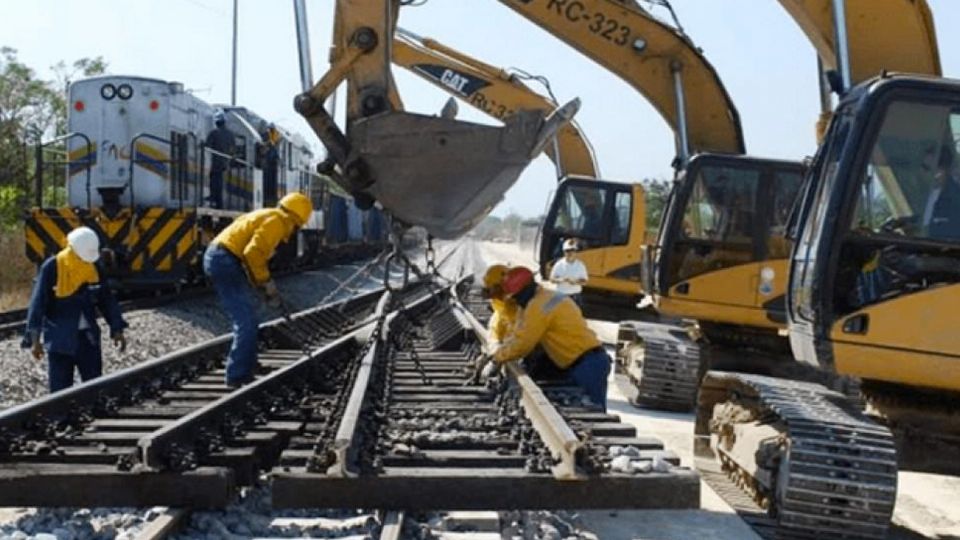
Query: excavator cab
{"points": [[876, 270], [608, 221], [722, 252]]}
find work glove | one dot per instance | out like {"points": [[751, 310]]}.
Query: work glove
{"points": [[37, 348], [119, 341], [272, 294], [478, 369], [490, 370]]}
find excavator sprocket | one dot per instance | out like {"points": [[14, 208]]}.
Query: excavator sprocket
{"points": [[820, 467], [663, 363]]}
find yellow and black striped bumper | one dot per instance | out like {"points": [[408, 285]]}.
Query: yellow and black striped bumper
{"points": [[149, 246]]}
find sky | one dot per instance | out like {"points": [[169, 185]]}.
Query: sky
{"points": [[765, 62]]}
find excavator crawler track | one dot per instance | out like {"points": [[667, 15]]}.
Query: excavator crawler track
{"points": [[663, 363], [833, 473]]}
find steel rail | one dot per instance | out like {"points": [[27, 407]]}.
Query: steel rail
{"points": [[392, 528], [563, 443], [155, 448], [346, 430]]}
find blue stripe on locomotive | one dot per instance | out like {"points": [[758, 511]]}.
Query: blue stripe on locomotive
{"points": [[354, 224], [336, 220], [376, 226]]}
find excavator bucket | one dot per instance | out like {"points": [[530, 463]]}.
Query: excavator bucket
{"points": [[447, 175]]}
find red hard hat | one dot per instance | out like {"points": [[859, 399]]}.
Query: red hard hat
{"points": [[516, 279]]}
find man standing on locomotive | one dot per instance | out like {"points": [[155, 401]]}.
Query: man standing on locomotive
{"points": [[63, 308], [236, 259], [221, 141]]}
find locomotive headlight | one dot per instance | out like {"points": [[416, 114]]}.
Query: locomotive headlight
{"points": [[125, 91], [108, 91]]}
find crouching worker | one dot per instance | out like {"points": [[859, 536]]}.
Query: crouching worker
{"points": [[236, 264], [63, 312], [555, 322], [504, 309]]}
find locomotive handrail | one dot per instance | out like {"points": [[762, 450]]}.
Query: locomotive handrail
{"points": [[186, 172], [38, 178], [233, 160]]}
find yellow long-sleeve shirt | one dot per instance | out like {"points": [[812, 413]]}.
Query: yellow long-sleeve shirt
{"points": [[504, 318], [554, 321], [254, 236]]}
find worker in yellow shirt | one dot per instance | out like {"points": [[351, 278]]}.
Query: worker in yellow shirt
{"points": [[504, 309], [554, 321], [236, 263]]}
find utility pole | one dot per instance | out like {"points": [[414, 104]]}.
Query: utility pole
{"points": [[233, 82]]}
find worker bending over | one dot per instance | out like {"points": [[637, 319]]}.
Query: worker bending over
{"points": [[63, 308], [236, 263], [555, 322], [504, 309]]}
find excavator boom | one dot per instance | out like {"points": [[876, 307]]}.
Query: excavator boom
{"points": [[890, 35], [493, 91], [653, 58], [388, 155]]}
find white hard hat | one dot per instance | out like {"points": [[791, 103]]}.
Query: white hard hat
{"points": [[218, 115], [84, 243], [570, 244]]}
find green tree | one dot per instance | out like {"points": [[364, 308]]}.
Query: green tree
{"points": [[656, 192], [31, 109]]}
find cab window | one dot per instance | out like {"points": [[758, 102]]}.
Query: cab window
{"points": [[721, 206], [911, 184], [904, 230], [622, 210], [734, 214], [580, 213]]}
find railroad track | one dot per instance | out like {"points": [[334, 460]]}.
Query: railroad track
{"points": [[357, 404], [413, 436], [169, 432]]}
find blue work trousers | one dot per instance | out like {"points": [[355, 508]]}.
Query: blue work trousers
{"points": [[239, 301], [87, 360], [590, 373]]}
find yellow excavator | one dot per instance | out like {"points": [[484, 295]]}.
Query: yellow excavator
{"points": [[721, 258], [873, 284]]}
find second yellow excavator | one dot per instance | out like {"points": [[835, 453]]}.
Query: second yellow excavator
{"points": [[721, 258], [873, 285]]}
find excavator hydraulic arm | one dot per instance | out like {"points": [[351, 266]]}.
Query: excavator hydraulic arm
{"points": [[879, 35], [891, 35], [493, 91], [440, 173], [657, 60]]}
